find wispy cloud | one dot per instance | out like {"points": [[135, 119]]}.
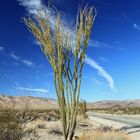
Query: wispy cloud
{"points": [[33, 5], [36, 7], [15, 57], [33, 89], [49, 74], [131, 20], [28, 63], [126, 17], [101, 72], [136, 26], [19, 59], [99, 44], [93, 80], [1, 49], [104, 59]]}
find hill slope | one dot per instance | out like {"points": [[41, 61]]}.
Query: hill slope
{"points": [[34, 102]]}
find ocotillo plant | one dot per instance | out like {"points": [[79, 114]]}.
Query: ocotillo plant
{"points": [[66, 54]]}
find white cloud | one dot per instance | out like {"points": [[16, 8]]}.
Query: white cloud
{"points": [[33, 5], [101, 72], [33, 89], [19, 59], [136, 26]]}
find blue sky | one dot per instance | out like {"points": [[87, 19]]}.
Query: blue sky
{"points": [[112, 66]]}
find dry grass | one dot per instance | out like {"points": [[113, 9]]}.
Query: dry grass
{"points": [[98, 135]]}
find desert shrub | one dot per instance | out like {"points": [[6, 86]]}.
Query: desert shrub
{"points": [[54, 114], [10, 127], [83, 108], [26, 106], [31, 130], [31, 133], [41, 126], [105, 128], [56, 130], [99, 135]]}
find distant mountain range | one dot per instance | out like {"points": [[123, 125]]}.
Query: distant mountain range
{"points": [[117, 104], [46, 103]]}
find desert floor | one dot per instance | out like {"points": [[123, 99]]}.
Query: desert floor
{"points": [[51, 130]]}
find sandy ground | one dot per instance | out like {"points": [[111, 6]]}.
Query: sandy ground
{"points": [[43, 133], [40, 129]]}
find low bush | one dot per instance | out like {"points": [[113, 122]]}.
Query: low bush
{"points": [[56, 131], [82, 108], [10, 127], [41, 126]]}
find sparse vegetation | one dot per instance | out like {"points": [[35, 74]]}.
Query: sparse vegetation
{"points": [[99, 135], [31, 130], [56, 130], [10, 127], [119, 111]]}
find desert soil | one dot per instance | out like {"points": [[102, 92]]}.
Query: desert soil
{"points": [[51, 130]]}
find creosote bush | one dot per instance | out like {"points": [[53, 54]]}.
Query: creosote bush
{"points": [[83, 108], [66, 53], [56, 130], [26, 106], [10, 127]]}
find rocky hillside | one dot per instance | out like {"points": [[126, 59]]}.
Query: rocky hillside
{"points": [[19, 102]]}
